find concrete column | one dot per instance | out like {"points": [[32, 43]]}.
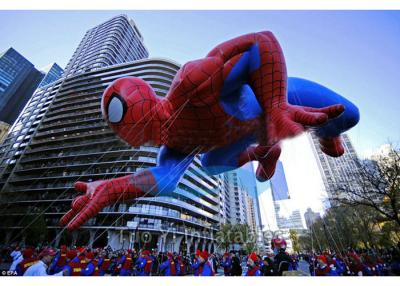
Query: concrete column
{"points": [[196, 244], [189, 242], [202, 244], [92, 234], [161, 242], [177, 242], [114, 239]]}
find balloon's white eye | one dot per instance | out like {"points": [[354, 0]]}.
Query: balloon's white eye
{"points": [[115, 110]]}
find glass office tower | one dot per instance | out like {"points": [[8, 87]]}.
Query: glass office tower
{"points": [[18, 80], [115, 41], [52, 73]]}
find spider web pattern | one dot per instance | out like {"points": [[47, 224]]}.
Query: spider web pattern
{"points": [[191, 119]]}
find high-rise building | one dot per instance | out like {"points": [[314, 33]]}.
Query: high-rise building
{"points": [[250, 213], [4, 127], [279, 185], [337, 171], [52, 73], [61, 137], [293, 221], [115, 41], [311, 217], [281, 198], [18, 80], [224, 199], [247, 175], [237, 199]]}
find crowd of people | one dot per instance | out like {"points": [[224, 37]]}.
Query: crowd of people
{"points": [[82, 261], [354, 262]]}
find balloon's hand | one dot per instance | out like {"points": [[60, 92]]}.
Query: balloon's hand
{"points": [[332, 146], [286, 121], [96, 196]]}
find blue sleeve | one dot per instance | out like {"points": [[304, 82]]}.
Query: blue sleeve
{"points": [[69, 269], [101, 260], [88, 270], [137, 262], [122, 261], [207, 271], [195, 265], [164, 265], [19, 270], [171, 165], [53, 264]]}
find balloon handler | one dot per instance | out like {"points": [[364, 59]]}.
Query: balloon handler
{"points": [[234, 106]]}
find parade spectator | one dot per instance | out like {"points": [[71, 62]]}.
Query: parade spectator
{"points": [[40, 268]]}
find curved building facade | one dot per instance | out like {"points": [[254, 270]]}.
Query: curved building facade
{"points": [[61, 138], [115, 41]]}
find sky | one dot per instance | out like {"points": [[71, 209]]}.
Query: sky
{"points": [[355, 53]]}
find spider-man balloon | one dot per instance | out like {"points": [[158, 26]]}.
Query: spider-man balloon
{"points": [[232, 107], [277, 244]]}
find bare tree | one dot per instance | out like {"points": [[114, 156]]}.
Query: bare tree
{"points": [[376, 185]]}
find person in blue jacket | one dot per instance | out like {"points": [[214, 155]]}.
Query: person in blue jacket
{"points": [[144, 264], [227, 264], [169, 266], [196, 263], [205, 268], [93, 265], [340, 265]]}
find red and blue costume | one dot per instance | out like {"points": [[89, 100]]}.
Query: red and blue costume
{"points": [[234, 106], [227, 264], [253, 264], [169, 266], [181, 266], [126, 265], [76, 264], [204, 268], [144, 264], [196, 263], [93, 267]]}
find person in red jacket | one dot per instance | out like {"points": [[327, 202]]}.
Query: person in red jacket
{"points": [[253, 263], [28, 261], [105, 265], [181, 266], [126, 264], [77, 263]]}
